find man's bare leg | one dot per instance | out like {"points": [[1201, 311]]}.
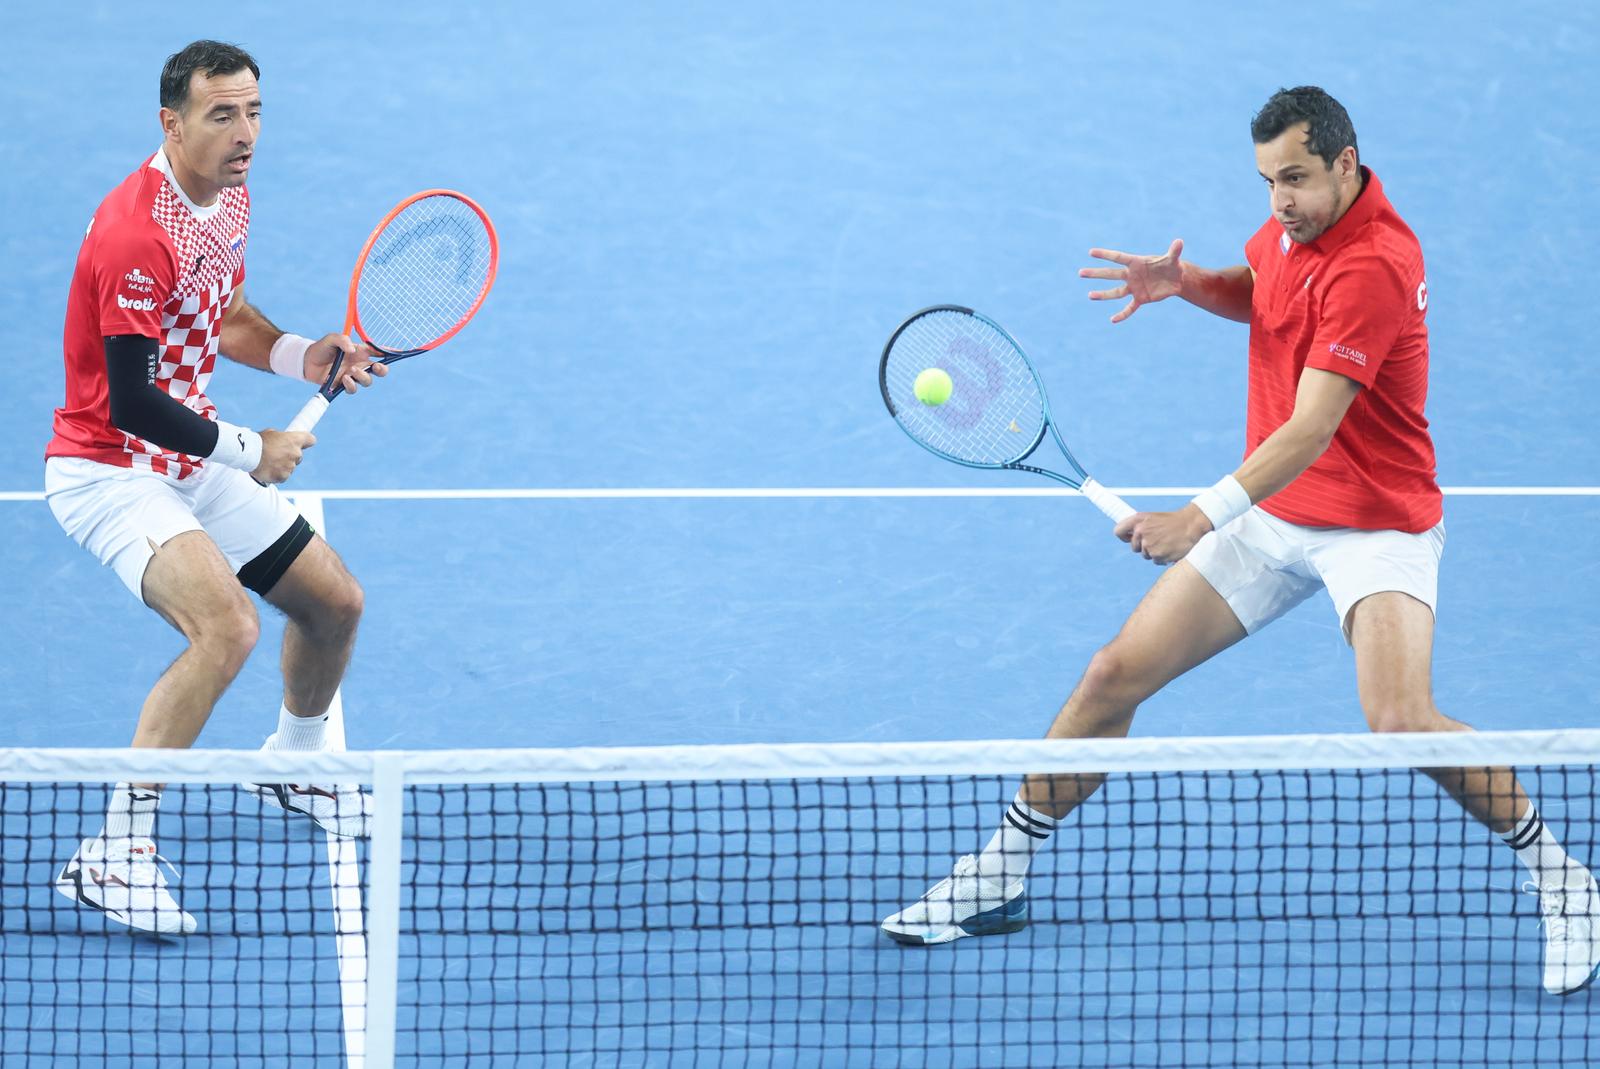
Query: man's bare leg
{"points": [[323, 604], [1180, 623], [1393, 638], [189, 583]]}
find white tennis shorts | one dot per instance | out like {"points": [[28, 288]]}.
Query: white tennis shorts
{"points": [[1263, 566], [116, 513]]}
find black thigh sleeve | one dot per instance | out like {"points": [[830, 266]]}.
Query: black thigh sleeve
{"points": [[263, 573], [142, 409]]}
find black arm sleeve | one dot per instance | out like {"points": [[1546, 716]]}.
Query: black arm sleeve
{"points": [[142, 409]]}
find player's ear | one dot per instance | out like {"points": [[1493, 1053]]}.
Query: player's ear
{"points": [[171, 124]]}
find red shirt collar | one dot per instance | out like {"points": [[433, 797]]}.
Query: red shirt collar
{"points": [[1369, 202]]}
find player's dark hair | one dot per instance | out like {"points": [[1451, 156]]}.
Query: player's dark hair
{"points": [[1330, 126], [210, 58]]}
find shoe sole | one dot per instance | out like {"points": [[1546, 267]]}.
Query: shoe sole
{"points": [[1593, 975], [1002, 920]]}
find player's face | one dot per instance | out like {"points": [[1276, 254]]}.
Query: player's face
{"points": [[1308, 196], [215, 133]]}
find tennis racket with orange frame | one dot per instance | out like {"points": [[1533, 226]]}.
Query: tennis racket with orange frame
{"points": [[420, 277]]}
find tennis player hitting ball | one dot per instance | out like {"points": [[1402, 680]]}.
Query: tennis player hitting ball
{"points": [[1337, 490]]}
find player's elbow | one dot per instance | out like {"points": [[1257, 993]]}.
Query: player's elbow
{"points": [[127, 414], [1314, 432], [138, 412]]}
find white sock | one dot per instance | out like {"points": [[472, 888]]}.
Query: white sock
{"points": [[1023, 830], [1547, 862], [300, 732], [132, 812]]}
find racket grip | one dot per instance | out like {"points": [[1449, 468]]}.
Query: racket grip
{"points": [[1107, 502], [308, 416]]}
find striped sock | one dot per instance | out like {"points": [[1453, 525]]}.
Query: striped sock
{"points": [[1537, 848], [132, 813], [1023, 830]]}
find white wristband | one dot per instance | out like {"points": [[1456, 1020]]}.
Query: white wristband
{"points": [[1223, 503], [288, 357], [237, 447]]}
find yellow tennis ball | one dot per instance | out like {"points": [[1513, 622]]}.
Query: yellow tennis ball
{"points": [[933, 386]]}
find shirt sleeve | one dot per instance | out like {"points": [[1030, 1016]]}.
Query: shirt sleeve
{"points": [[1260, 243], [134, 271], [1364, 306], [1252, 252]]}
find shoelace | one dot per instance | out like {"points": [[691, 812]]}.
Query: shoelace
{"points": [[966, 868], [945, 889], [147, 855], [1552, 905]]}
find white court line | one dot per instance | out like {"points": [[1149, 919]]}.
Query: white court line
{"points": [[674, 493], [344, 872], [690, 492]]}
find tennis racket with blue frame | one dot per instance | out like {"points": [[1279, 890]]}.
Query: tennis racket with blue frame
{"points": [[997, 412]]}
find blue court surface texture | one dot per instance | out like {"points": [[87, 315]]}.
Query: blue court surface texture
{"points": [[711, 217]]}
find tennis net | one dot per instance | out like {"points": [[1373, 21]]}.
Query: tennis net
{"points": [[1283, 901]]}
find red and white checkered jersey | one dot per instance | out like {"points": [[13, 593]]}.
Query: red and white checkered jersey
{"points": [[152, 263]]}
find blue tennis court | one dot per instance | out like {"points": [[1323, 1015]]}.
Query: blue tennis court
{"points": [[651, 496]]}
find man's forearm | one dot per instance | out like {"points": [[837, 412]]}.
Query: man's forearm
{"points": [[1287, 452], [247, 336], [1225, 292]]}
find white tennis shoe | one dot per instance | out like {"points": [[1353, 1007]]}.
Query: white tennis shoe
{"points": [[122, 879], [341, 809], [1571, 924], [962, 904]]}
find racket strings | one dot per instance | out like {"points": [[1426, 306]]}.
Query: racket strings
{"points": [[424, 274], [996, 410]]}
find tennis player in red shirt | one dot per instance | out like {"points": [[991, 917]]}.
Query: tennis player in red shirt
{"points": [[180, 504], [1336, 491]]}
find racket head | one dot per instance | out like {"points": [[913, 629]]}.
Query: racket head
{"points": [[423, 273], [997, 412]]}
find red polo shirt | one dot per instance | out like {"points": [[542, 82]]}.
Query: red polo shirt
{"points": [[1353, 302]]}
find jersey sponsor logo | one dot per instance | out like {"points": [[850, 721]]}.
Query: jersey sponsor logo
{"points": [[135, 304], [1422, 296], [1355, 356], [138, 280]]}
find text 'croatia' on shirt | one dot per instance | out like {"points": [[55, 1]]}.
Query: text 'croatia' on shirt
{"points": [[1354, 302], [152, 263]]}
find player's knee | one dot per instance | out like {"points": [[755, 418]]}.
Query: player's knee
{"points": [[1400, 715], [229, 632], [332, 610], [1111, 680], [344, 604]]}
